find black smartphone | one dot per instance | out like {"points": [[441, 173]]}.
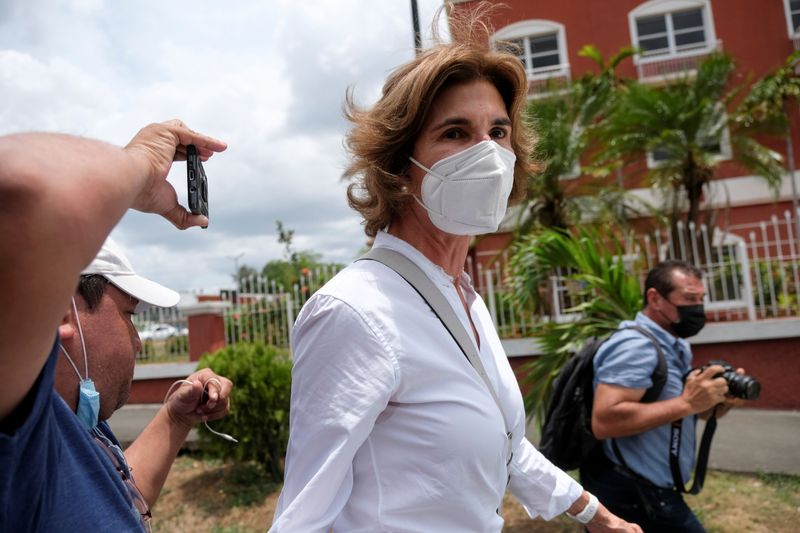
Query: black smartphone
{"points": [[196, 182]]}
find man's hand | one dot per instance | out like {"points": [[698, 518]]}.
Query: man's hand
{"points": [[721, 409], [155, 148], [703, 391], [186, 406]]}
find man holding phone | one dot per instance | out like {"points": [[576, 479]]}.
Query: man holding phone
{"points": [[60, 197]]}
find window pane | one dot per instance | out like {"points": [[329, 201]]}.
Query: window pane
{"points": [[654, 45], [660, 154], [795, 21], [714, 147], [543, 43], [688, 39], [794, 5], [545, 61], [650, 25], [687, 19]]}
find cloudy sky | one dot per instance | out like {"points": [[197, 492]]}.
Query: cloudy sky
{"points": [[266, 76]]}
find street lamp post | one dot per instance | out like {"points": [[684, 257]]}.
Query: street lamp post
{"points": [[415, 22], [235, 259]]}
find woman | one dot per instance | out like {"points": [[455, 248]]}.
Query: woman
{"points": [[391, 427]]}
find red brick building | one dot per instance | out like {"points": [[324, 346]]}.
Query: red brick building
{"points": [[674, 36]]}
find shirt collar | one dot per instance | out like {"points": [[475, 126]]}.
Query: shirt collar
{"points": [[436, 273]]}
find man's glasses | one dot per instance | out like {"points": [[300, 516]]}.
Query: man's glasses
{"points": [[117, 458]]}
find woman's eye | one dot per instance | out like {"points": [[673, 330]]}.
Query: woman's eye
{"points": [[453, 134], [498, 133]]}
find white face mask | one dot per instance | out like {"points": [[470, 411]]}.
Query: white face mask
{"points": [[467, 193]]}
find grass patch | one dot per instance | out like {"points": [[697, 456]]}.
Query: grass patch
{"points": [[786, 487], [215, 496]]}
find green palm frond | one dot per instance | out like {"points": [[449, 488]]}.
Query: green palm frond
{"points": [[592, 262]]}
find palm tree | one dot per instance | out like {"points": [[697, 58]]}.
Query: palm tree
{"points": [[683, 125], [767, 109], [562, 122]]}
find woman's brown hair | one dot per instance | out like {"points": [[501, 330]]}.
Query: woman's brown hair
{"points": [[383, 136]]}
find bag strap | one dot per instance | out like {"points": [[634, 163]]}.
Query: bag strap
{"points": [[659, 380], [413, 274]]}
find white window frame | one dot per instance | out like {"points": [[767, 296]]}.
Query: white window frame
{"points": [[664, 7], [787, 9], [537, 28]]}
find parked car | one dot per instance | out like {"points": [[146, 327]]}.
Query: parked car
{"points": [[161, 331]]}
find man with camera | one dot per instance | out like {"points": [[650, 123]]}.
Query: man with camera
{"points": [[60, 197], [633, 476]]}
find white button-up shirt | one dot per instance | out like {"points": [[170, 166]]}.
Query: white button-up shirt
{"points": [[391, 428]]}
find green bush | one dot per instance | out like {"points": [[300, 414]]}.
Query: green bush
{"points": [[259, 416]]}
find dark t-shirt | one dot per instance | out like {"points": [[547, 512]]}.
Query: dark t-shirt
{"points": [[54, 476]]}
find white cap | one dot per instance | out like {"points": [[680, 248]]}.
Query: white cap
{"points": [[112, 264]]}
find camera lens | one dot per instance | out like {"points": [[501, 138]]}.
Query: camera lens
{"points": [[745, 387]]}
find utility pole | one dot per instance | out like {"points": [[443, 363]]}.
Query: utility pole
{"points": [[790, 161], [235, 259], [415, 22]]}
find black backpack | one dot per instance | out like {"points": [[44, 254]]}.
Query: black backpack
{"points": [[567, 438]]}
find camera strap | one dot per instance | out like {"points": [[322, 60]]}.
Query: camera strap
{"points": [[674, 457], [702, 454]]}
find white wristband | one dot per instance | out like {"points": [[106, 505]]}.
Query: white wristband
{"points": [[585, 516]]}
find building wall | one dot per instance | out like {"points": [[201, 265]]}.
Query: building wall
{"points": [[754, 32]]}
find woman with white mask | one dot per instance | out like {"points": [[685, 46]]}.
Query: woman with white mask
{"points": [[392, 427]]}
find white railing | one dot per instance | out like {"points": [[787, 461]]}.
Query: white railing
{"points": [[658, 68], [751, 272]]}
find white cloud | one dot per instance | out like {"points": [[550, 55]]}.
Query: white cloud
{"points": [[269, 78]]}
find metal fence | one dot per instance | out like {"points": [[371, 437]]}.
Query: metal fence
{"points": [[263, 310], [164, 335], [752, 271]]}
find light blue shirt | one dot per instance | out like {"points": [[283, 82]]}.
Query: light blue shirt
{"points": [[628, 359]]}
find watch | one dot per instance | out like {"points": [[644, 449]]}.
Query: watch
{"points": [[585, 516]]}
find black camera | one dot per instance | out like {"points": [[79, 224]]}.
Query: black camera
{"points": [[739, 385]]}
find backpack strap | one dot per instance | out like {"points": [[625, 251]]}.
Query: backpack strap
{"points": [[413, 274]]}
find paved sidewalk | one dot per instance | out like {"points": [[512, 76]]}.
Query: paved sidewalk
{"points": [[749, 440], [746, 440]]}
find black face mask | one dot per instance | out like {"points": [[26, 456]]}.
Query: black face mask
{"points": [[691, 319]]}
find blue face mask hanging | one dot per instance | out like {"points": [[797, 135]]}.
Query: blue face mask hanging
{"points": [[89, 404], [88, 399]]}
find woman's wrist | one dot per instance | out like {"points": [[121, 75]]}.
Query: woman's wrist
{"points": [[586, 512]]}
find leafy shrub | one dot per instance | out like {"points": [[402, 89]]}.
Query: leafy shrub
{"points": [[605, 292], [259, 416]]}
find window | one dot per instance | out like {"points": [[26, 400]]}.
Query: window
{"points": [[792, 8], [720, 148], [662, 34], [540, 46], [672, 28]]}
